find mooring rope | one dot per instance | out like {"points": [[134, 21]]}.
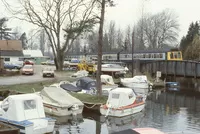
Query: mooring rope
{"points": [[91, 106]]}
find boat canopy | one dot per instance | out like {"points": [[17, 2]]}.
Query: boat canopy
{"points": [[59, 96], [120, 97], [107, 79], [136, 79], [22, 107]]}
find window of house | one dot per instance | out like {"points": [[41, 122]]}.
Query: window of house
{"points": [[21, 59], [6, 59]]}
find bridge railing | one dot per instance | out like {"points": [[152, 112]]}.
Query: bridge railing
{"points": [[176, 68]]}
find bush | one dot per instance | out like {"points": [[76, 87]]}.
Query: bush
{"points": [[9, 72]]}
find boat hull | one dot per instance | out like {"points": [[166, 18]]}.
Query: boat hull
{"points": [[62, 111], [121, 112], [135, 85]]}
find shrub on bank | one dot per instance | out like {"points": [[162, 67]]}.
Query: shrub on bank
{"points": [[5, 72]]}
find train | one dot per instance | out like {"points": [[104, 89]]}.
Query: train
{"points": [[143, 55]]}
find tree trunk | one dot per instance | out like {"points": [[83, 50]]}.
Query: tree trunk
{"points": [[100, 43], [60, 60]]}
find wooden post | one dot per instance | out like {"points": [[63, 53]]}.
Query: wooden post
{"points": [[132, 52]]}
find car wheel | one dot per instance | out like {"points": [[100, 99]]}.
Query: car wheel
{"points": [[43, 75], [53, 75]]}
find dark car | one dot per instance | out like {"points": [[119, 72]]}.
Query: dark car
{"points": [[87, 84], [11, 66], [28, 62]]}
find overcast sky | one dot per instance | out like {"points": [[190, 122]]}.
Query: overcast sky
{"points": [[127, 12]]}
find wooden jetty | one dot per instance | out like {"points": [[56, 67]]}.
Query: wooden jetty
{"points": [[8, 129]]}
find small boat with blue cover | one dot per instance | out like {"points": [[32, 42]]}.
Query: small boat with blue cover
{"points": [[172, 86]]}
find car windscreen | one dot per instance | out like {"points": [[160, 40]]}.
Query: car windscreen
{"points": [[27, 67]]}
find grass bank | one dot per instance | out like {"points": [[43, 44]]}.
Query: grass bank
{"points": [[38, 86]]}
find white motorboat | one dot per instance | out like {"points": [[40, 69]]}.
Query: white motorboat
{"points": [[26, 112], [58, 102], [108, 82], [113, 69], [81, 73], [137, 82], [122, 102]]}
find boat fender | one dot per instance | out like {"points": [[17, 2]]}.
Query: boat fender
{"points": [[75, 106]]}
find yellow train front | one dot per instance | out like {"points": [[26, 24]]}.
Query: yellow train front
{"points": [[174, 55]]}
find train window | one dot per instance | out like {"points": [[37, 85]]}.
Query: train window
{"points": [[175, 55], [157, 55], [149, 55], [179, 54], [171, 56], [154, 56], [143, 56], [161, 56]]}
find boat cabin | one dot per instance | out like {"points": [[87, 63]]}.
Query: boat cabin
{"points": [[120, 97], [107, 80], [22, 107]]}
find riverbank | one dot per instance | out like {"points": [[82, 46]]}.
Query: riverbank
{"points": [[38, 86]]}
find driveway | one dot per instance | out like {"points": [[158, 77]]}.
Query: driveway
{"points": [[25, 78]]}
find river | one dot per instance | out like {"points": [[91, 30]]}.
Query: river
{"points": [[166, 111]]}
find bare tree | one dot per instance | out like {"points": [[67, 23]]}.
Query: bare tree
{"points": [[74, 17], [119, 39], [128, 36], [92, 41], [17, 32], [161, 29], [42, 41], [24, 41], [105, 42], [102, 5], [111, 35], [139, 35], [32, 39]]}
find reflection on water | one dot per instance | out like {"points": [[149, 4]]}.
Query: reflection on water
{"points": [[166, 111]]}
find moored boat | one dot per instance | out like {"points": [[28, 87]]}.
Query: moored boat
{"points": [[122, 102], [137, 82], [58, 102], [26, 112]]}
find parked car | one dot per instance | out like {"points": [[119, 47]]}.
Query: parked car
{"points": [[48, 62], [12, 66], [28, 62], [27, 69], [47, 71]]}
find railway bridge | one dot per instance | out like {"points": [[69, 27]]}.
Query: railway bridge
{"points": [[182, 68]]}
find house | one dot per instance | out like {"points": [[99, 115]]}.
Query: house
{"points": [[34, 55], [11, 52]]}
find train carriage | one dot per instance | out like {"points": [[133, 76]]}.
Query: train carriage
{"points": [[143, 55]]}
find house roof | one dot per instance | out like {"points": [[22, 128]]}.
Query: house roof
{"points": [[32, 53], [10, 45], [11, 53]]}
